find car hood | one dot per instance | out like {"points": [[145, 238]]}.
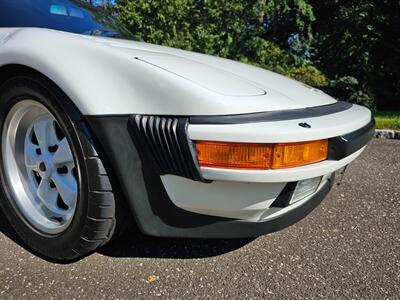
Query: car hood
{"points": [[128, 77], [213, 78], [226, 77]]}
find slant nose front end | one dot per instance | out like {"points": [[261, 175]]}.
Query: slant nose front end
{"points": [[232, 176]]}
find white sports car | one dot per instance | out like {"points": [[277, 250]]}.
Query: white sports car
{"points": [[98, 131]]}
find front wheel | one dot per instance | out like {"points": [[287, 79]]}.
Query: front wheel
{"points": [[56, 191]]}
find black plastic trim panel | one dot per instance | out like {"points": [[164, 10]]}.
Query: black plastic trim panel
{"points": [[285, 196], [271, 116], [167, 139], [345, 145]]}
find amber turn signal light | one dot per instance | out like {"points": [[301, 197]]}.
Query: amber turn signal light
{"points": [[234, 155], [249, 156], [299, 154]]}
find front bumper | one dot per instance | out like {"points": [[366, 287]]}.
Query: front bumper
{"points": [[217, 227], [144, 151]]}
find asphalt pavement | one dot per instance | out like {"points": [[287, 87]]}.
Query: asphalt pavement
{"points": [[349, 247]]}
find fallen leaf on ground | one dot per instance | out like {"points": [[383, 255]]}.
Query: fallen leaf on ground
{"points": [[152, 278]]}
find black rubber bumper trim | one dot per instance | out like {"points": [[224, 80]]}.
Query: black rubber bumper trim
{"points": [[154, 212], [345, 145], [271, 116]]}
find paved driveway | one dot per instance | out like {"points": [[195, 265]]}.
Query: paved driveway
{"points": [[349, 247]]}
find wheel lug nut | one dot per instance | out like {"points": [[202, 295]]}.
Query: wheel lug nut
{"points": [[42, 167], [38, 151], [53, 149], [62, 170]]}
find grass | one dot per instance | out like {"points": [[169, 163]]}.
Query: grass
{"points": [[388, 119]]}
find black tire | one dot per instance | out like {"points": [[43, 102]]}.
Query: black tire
{"points": [[94, 221]]}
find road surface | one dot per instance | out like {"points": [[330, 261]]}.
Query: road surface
{"points": [[349, 247]]}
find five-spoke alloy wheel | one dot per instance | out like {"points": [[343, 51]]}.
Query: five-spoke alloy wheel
{"points": [[55, 189], [40, 167]]}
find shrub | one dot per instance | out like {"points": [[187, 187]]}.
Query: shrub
{"points": [[309, 75]]}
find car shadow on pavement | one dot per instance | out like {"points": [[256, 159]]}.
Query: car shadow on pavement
{"points": [[137, 245], [8, 231]]}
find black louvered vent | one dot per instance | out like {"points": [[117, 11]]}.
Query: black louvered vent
{"points": [[167, 140]]}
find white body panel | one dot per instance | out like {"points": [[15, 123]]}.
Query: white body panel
{"points": [[104, 76], [245, 201], [247, 194], [221, 198], [124, 77]]}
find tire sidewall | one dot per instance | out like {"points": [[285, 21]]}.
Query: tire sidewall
{"points": [[37, 89]]}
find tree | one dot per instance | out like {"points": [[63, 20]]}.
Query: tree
{"points": [[360, 39], [272, 34]]}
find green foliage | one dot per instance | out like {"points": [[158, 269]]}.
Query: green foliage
{"points": [[309, 75], [347, 88], [387, 120], [362, 98], [361, 38], [159, 22]]}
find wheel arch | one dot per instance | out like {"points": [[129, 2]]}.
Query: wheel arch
{"points": [[10, 71]]}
